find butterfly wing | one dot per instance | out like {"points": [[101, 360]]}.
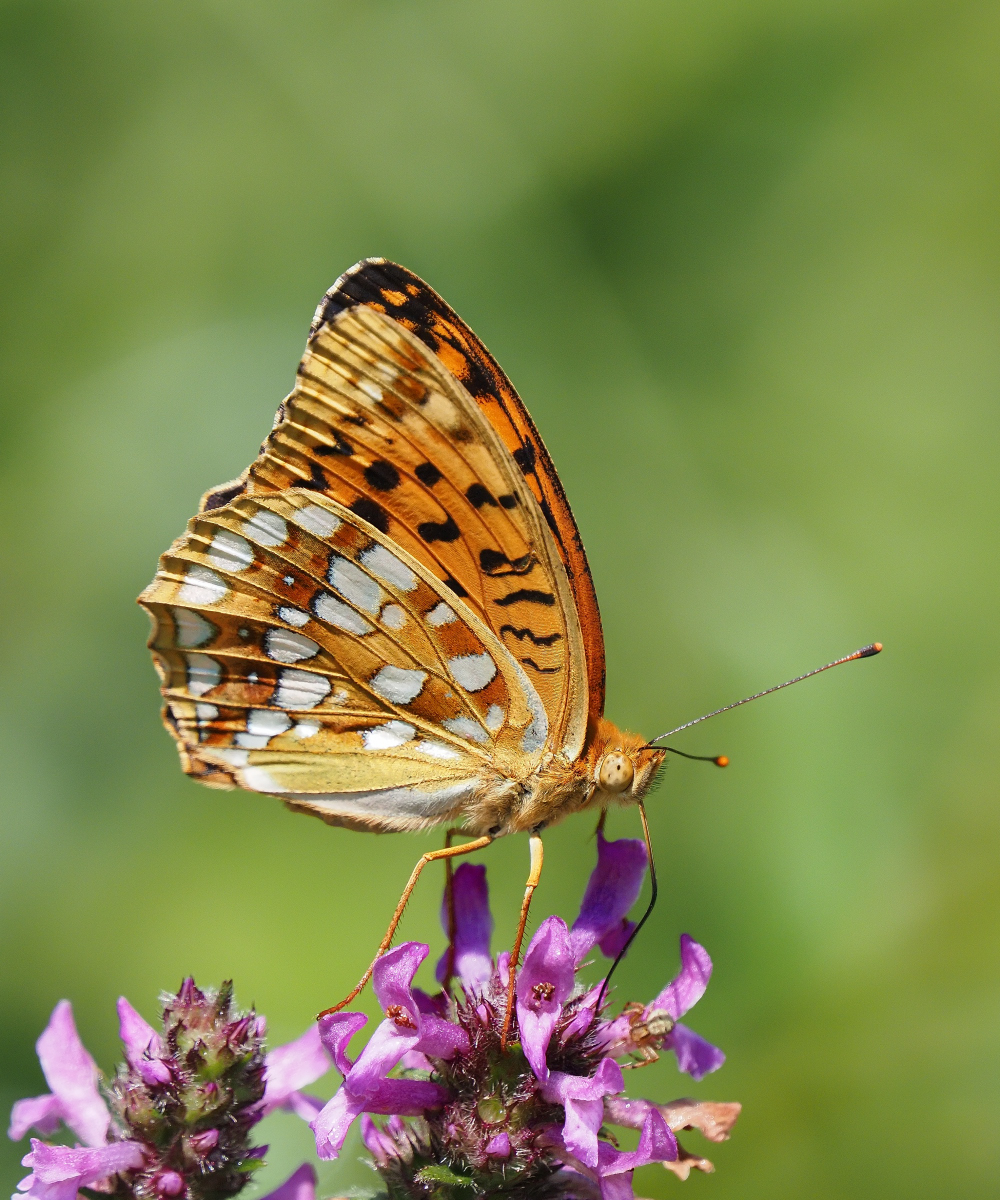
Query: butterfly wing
{"points": [[377, 423], [386, 287], [304, 654]]}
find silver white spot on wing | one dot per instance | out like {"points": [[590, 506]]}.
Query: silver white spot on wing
{"points": [[259, 779], [201, 586], [203, 674], [437, 749], [370, 389], [440, 614], [206, 712], [388, 736], [473, 671], [287, 647], [393, 617], [353, 584], [387, 566], [235, 758], [306, 729], [388, 802], [229, 552], [266, 528], [494, 717], [466, 728], [317, 520], [262, 725], [398, 685], [288, 579], [192, 628], [293, 616], [300, 689], [342, 616]]}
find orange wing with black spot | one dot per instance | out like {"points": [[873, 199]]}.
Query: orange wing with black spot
{"points": [[389, 288]]}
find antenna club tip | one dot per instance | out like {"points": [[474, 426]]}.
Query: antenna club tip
{"points": [[722, 760], [870, 651]]}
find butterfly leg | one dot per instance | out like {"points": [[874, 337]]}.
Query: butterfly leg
{"points": [[534, 874], [430, 856]]}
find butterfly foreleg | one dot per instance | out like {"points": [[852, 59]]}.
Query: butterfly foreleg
{"points": [[446, 853], [534, 874]]}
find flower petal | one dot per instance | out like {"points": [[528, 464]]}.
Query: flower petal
{"points": [[300, 1185], [58, 1172], [42, 1112], [442, 1039], [689, 986], [336, 1031], [694, 1055], [612, 889], [139, 1037], [405, 1097], [333, 1122], [613, 943], [473, 927], [385, 1048], [656, 1144], [394, 973], [378, 1143], [582, 1099], [72, 1075], [290, 1067], [545, 982]]}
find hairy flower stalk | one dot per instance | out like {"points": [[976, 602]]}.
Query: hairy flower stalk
{"points": [[177, 1118], [468, 1118]]}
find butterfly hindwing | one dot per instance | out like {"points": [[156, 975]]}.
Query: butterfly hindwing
{"points": [[306, 655]]}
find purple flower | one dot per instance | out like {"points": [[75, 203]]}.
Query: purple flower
{"points": [[58, 1172], [180, 1109], [72, 1075], [405, 1029], [468, 956], [467, 1117]]}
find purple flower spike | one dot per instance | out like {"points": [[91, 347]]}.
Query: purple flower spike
{"points": [[336, 1031], [72, 1075], [545, 982], [473, 927], [291, 1067], [300, 1185], [612, 889], [58, 1172]]}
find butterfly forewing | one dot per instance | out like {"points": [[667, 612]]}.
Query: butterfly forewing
{"points": [[377, 423], [389, 288], [305, 655]]}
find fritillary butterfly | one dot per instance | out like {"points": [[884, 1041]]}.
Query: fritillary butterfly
{"points": [[388, 620]]}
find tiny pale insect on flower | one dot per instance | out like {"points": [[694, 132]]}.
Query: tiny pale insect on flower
{"points": [[388, 620]]}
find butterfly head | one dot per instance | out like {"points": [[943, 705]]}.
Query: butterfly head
{"points": [[624, 766]]}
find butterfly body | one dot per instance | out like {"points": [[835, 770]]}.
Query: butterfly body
{"points": [[388, 620]]}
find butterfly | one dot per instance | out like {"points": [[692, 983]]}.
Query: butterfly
{"points": [[388, 620]]}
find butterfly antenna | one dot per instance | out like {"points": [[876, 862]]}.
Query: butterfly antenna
{"points": [[865, 652]]}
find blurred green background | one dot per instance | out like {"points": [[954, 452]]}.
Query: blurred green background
{"points": [[743, 263]]}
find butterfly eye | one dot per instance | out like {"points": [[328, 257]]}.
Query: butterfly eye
{"points": [[615, 772]]}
